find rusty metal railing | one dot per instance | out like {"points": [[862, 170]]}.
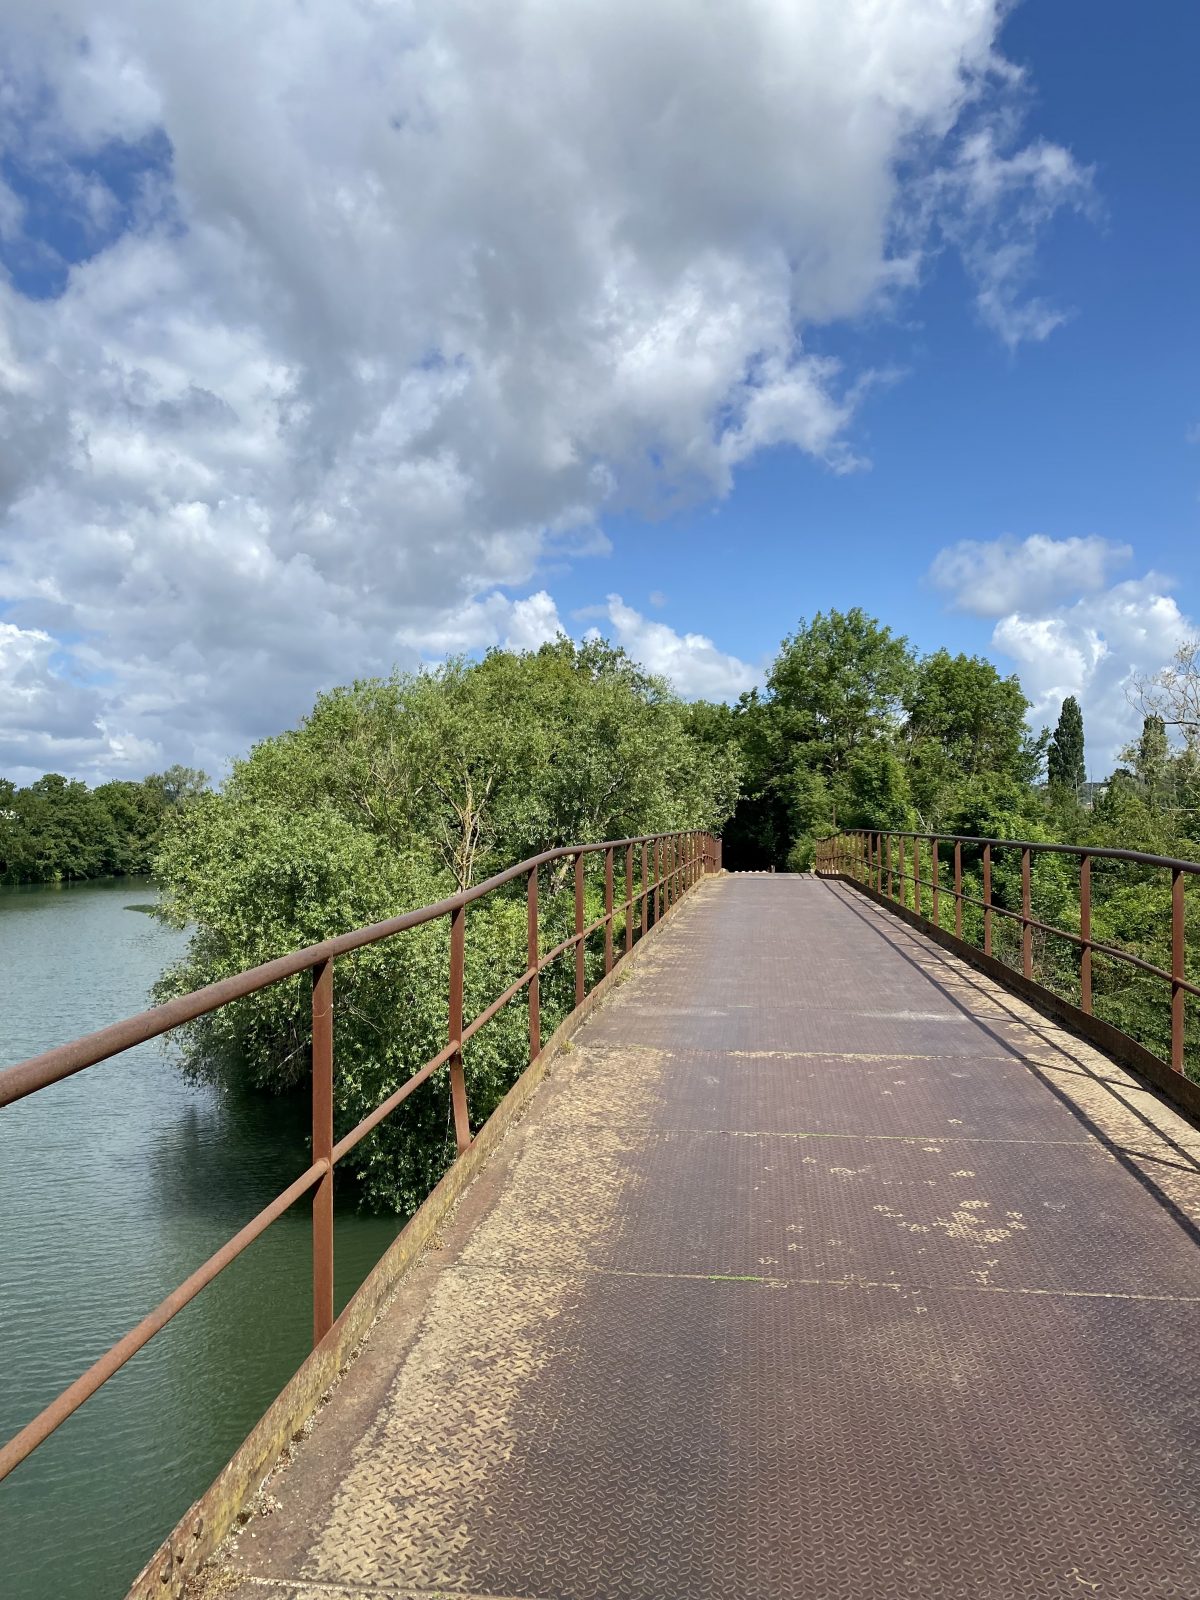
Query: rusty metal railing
{"points": [[670, 864], [877, 859]]}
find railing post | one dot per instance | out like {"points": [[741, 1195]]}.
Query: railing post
{"points": [[878, 863], [608, 910], [628, 898], [1085, 933], [535, 1000], [658, 880], [890, 887], [1026, 914], [987, 899], [1178, 993], [322, 1148], [935, 871], [645, 895], [917, 876], [458, 1082], [580, 979], [902, 874], [958, 889]]}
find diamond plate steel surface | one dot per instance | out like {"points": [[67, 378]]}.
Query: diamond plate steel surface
{"points": [[886, 1096], [901, 1302]]}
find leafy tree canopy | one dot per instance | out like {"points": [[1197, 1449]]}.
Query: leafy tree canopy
{"points": [[57, 829], [391, 794]]}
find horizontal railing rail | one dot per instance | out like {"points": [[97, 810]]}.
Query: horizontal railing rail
{"points": [[670, 864], [879, 858]]}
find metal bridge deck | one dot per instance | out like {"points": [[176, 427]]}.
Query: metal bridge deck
{"points": [[820, 1267]]}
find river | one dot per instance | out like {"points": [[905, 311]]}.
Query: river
{"points": [[114, 1185]]}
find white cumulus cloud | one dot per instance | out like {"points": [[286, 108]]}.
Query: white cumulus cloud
{"points": [[374, 310], [989, 577], [1067, 628], [692, 662]]}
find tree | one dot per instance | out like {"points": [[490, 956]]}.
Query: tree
{"points": [[840, 681], [177, 784], [1064, 758], [1152, 761], [1172, 695], [391, 794], [836, 687], [56, 829], [60, 832], [963, 720]]}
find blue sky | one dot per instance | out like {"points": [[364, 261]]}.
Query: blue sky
{"points": [[335, 338], [1091, 432]]}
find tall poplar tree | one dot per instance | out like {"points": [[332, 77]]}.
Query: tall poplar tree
{"points": [[1064, 758]]}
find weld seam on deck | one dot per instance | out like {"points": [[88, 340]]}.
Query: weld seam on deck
{"points": [[602, 1048], [663, 1135], [765, 1281], [809, 1007]]}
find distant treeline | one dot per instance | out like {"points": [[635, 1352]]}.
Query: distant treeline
{"points": [[57, 829]]}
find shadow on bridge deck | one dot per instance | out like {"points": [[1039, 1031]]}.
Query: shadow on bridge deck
{"points": [[822, 1266]]}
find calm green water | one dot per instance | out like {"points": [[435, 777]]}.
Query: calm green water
{"points": [[113, 1186]]}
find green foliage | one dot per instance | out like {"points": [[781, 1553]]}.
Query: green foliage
{"points": [[964, 722], [390, 795], [58, 829], [1064, 763], [854, 728], [838, 682]]}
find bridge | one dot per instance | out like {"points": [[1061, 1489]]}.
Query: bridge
{"points": [[816, 1254]]}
